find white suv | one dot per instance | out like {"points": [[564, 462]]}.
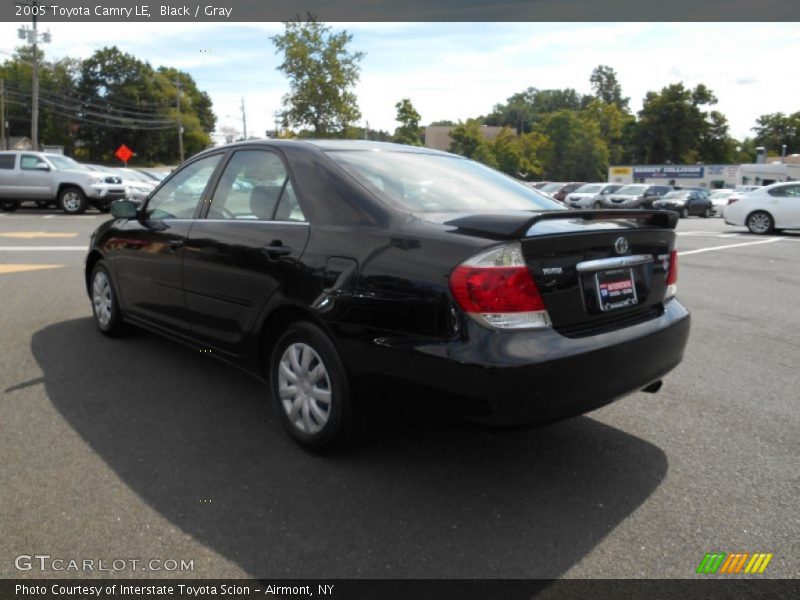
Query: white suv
{"points": [[54, 178]]}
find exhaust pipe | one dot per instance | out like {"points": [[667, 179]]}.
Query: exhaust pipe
{"points": [[653, 387]]}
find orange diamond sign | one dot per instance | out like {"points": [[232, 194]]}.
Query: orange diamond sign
{"points": [[124, 153]]}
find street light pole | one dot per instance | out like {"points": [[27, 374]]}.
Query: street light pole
{"points": [[32, 35], [180, 120]]}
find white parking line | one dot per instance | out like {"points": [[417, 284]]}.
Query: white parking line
{"points": [[713, 248], [43, 248]]}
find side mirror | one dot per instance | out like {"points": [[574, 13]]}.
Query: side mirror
{"points": [[124, 209]]}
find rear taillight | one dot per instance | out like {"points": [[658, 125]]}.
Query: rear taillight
{"points": [[496, 289], [672, 275]]}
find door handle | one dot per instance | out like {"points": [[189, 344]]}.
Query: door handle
{"points": [[276, 249]]}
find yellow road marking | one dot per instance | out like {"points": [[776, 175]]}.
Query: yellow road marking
{"points": [[5, 269], [30, 235]]}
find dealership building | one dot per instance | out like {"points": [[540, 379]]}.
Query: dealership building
{"points": [[710, 176]]}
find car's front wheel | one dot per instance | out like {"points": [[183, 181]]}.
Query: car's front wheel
{"points": [[105, 306], [310, 388], [597, 205], [72, 201], [760, 222], [706, 213], [685, 213]]}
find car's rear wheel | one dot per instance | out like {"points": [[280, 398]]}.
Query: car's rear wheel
{"points": [[9, 205], [310, 389], [105, 307], [72, 201], [760, 222]]}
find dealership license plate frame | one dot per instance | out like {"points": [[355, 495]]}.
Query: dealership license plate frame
{"points": [[628, 296]]}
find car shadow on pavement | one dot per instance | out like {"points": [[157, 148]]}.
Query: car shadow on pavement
{"points": [[197, 441]]}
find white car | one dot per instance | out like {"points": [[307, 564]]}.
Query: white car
{"points": [[767, 209], [719, 198]]}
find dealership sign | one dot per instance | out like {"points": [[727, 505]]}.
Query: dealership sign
{"points": [[669, 172]]}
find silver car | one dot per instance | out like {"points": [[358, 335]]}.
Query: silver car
{"points": [[590, 195]]}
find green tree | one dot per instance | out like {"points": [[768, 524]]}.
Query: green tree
{"points": [[575, 151], [776, 129], [508, 153], [467, 138], [322, 73], [409, 131], [56, 88], [612, 123], [672, 125], [606, 88]]}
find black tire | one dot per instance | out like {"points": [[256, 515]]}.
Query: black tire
{"points": [[314, 425], [597, 205], [760, 222], [105, 307], [706, 213], [9, 205], [72, 201], [685, 213]]}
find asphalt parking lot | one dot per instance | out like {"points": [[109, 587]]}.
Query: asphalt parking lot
{"points": [[143, 449]]}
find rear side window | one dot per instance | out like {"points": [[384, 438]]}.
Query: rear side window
{"points": [[785, 190], [255, 185], [7, 161]]}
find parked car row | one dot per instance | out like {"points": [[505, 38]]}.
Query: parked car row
{"points": [[57, 180]]}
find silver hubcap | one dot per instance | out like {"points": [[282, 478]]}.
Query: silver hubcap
{"points": [[72, 201], [101, 298], [304, 388], [759, 223]]}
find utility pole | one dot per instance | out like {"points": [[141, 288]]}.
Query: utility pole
{"points": [[180, 121], [32, 35], [3, 114], [244, 121]]}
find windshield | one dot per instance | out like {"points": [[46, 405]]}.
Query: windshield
{"points": [[65, 162], [631, 190], [428, 183], [589, 188]]}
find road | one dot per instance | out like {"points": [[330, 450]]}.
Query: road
{"points": [[143, 449]]}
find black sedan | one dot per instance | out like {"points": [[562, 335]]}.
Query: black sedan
{"points": [[332, 268], [686, 203]]}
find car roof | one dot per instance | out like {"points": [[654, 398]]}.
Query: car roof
{"points": [[334, 145]]}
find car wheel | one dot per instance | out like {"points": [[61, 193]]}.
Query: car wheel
{"points": [[72, 201], [9, 205], [760, 222], [706, 213], [105, 307], [597, 205], [685, 213], [310, 389]]}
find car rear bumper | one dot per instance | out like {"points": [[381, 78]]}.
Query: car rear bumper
{"points": [[534, 376]]}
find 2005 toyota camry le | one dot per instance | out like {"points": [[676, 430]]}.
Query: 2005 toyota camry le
{"points": [[319, 265]]}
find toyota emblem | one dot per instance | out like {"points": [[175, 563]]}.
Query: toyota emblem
{"points": [[621, 245]]}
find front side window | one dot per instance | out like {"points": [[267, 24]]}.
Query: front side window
{"points": [[30, 162], [255, 185], [178, 198], [429, 183]]}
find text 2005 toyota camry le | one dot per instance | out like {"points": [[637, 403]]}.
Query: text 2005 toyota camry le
{"points": [[322, 265]]}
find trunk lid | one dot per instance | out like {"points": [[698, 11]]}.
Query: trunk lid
{"points": [[595, 270]]}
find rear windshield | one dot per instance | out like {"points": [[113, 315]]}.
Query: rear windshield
{"points": [[428, 183]]}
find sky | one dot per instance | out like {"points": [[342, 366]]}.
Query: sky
{"points": [[460, 70]]}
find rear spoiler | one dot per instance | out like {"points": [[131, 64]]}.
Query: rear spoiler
{"points": [[516, 225]]}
